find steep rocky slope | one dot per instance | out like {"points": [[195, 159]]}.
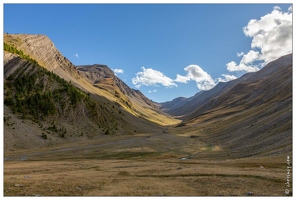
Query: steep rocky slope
{"points": [[42, 109], [42, 49], [47, 101]]}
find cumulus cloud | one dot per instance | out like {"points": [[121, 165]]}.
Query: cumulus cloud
{"points": [[76, 55], [195, 73], [182, 79], [118, 71], [151, 77], [232, 66], [250, 57], [271, 38], [245, 63], [226, 78]]}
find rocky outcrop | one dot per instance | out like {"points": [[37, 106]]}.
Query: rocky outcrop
{"points": [[40, 48]]}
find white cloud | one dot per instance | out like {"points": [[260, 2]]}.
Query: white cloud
{"points": [[232, 67], [240, 54], [246, 63], [250, 57], [271, 38], [151, 77], [118, 71], [195, 73], [290, 9], [182, 79], [226, 78], [76, 55], [151, 91]]}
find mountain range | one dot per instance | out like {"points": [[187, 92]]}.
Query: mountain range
{"points": [[49, 101], [252, 89]]}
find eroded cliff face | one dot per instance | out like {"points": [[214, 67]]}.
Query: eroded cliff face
{"points": [[43, 50]]}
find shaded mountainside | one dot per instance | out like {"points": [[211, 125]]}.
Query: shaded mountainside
{"points": [[189, 104], [178, 105], [273, 83], [253, 117], [241, 91]]}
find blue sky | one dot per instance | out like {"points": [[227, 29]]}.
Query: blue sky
{"points": [[164, 50]]}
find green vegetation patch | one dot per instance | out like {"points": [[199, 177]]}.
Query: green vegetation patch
{"points": [[32, 92], [29, 90], [14, 50]]}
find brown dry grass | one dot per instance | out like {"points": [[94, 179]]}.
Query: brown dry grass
{"points": [[138, 177], [141, 166]]}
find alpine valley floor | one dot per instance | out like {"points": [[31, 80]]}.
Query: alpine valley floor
{"points": [[159, 164]]}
